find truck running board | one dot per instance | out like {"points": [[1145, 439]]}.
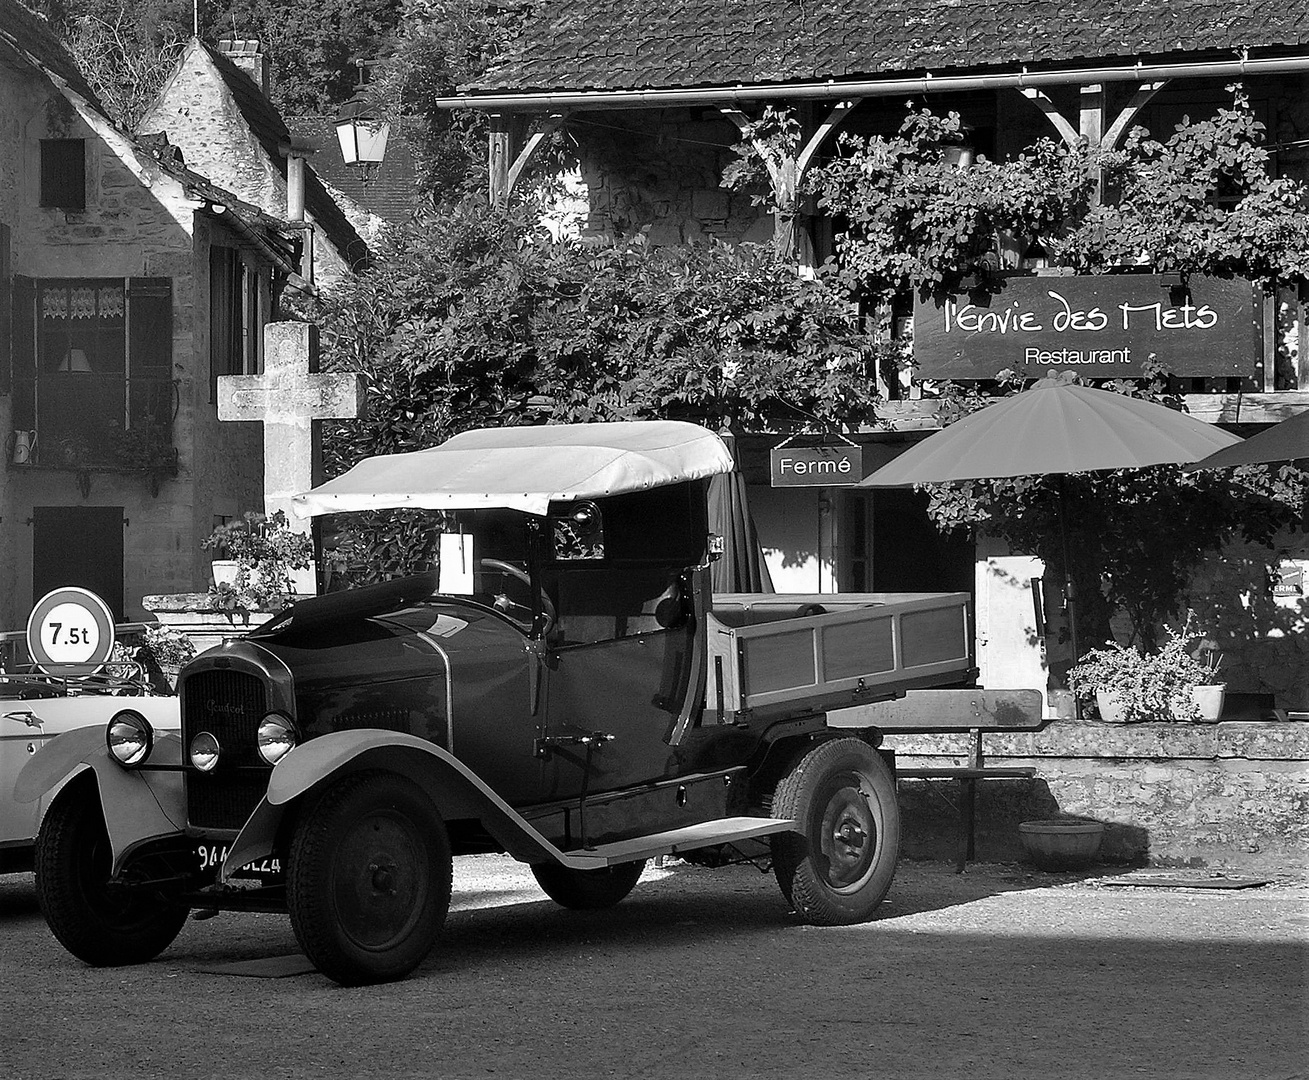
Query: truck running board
{"points": [[705, 834]]}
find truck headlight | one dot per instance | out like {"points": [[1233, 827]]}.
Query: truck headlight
{"points": [[276, 737], [129, 737], [205, 751]]}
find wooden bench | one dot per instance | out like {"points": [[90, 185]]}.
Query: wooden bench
{"points": [[954, 711]]}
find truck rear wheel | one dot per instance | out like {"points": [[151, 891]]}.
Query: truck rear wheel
{"points": [[838, 868], [103, 923], [368, 880], [588, 890]]}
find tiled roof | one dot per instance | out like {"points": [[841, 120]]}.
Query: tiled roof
{"points": [[391, 192], [30, 36], [648, 44], [270, 129]]}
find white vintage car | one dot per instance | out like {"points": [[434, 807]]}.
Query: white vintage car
{"points": [[29, 722]]}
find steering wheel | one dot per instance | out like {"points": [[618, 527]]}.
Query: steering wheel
{"points": [[502, 601]]}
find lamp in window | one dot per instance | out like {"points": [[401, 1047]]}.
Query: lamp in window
{"points": [[362, 134], [75, 361]]}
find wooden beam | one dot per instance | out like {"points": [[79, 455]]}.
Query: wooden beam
{"points": [[1123, 120], [548, 127], [1067, 132]]}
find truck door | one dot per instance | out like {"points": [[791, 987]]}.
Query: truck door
{"points": [[619, 663]]}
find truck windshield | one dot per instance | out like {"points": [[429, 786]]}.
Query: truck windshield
{"points": [[484, 556]]}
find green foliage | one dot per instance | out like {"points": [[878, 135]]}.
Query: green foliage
{"points": [[266, 550], [1148, 686], [474, 318], [915, 219], [1204, 202], [127, 47], [441, 45], [314, 48]]}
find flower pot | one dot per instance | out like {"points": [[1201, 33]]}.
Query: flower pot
{"points": [[224, 571], [1061, 843], [1110, 706], [1209, 700]]}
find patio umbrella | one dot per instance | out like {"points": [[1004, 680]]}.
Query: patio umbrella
{"points": [[741, 567], [1054, 428], [1287, 440]]}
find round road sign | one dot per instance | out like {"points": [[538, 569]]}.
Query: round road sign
{"points": [[70, 631]]}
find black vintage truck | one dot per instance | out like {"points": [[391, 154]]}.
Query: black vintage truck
{"points": [[569, 692]]}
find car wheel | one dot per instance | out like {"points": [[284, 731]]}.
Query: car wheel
{"points": [[104, 923], [838, 868], [588, 890], [368, 880]]}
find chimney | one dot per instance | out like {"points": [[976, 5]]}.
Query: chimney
{"points": [[245, 54]]}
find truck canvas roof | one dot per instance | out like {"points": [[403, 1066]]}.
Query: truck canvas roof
{"points": [[525, 468]]}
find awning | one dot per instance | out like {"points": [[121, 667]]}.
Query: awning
{"points": [[525, 468]]}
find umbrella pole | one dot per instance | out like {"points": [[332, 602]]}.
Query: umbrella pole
{"points": [[1069, 601]]}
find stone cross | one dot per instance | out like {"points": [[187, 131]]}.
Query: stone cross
{"points": [[291, 398]]}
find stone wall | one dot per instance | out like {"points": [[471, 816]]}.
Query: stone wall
{"points": [[1233, 794], [139, 221], [660, 171], [198, 113]]}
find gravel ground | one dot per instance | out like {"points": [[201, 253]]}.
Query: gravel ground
{"points": [[999, 972]]}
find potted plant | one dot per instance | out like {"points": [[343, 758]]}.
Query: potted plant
{"points": [[264, 549], [162, 653], [1179, 682]]}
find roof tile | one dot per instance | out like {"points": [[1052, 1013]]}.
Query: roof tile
{"points": [[645, 44]]}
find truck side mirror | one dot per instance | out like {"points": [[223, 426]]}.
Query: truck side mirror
{"points": [[715, 547]]}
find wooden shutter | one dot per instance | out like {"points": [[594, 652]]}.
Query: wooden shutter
{"points": [[150, 351], [224, 316], [150, 327]]}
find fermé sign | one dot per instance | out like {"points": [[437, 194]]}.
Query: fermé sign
{"points": [[817, 466]]}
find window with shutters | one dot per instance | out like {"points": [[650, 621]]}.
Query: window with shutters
{"points": [[92, 370]]}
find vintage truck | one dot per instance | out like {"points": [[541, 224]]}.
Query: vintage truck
{"points": [[569, 692]]}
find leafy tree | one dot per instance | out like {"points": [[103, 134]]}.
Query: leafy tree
{"points": [[314, 48], [475, 317], [441, 45]]}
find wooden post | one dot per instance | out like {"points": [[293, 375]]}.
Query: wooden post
{"points": [[499, 158]]}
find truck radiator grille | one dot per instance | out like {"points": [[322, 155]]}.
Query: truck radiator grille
{"points": [[229, 705]]}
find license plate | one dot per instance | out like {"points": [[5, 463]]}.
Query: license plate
{"points": [[212, 855]]}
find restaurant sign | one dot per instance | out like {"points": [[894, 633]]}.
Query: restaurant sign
{"points": [[817, 466], [1101, 326]]}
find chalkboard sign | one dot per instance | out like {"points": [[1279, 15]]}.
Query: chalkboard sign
{"points": [[1101, 326]]}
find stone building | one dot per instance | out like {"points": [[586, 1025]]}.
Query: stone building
{"points": [[215, 107], [654, 96], [128, 284]]}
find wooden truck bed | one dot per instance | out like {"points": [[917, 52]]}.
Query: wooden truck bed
{"points": [[789, 653]]}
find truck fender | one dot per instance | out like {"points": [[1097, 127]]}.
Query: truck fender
{"points": [[137, 805], [455, 789]]}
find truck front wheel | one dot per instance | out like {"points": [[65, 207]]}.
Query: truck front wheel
{"points": [[101, 922], [588, 890], [368, 880], [838, 868]]}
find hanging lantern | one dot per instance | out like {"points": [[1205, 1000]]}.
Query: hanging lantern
{"points": [[362, 135]]}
